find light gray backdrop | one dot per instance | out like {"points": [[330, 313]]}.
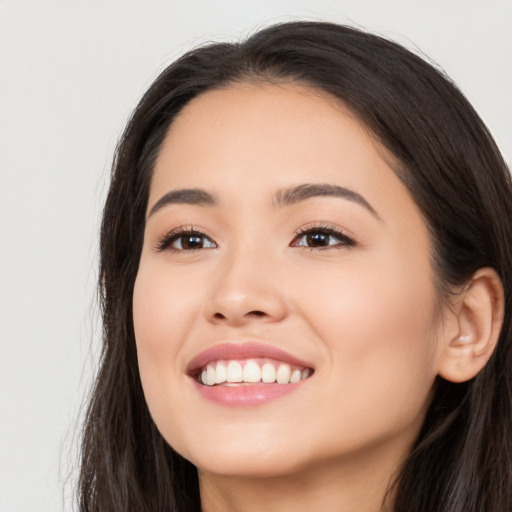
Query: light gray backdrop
{"points": [[70, 72]]}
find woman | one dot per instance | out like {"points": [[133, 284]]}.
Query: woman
{"points": [[305, 281]]}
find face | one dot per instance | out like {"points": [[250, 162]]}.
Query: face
{"points": [[279, 244]]}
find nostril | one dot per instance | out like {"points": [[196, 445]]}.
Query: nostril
{"points": [[237, 317], [220, 316]]}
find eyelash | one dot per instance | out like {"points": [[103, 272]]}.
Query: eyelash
{"points": [[323, 229], [174, 235], [345, 241]]}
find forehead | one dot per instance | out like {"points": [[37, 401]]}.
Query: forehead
{"points": [[269, 137]]}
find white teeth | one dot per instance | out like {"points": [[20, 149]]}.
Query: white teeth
{"points": [[268, 373], [210, 376], [295, 376], [283, 374], [220, 373], [234, 372], [252, 372]]}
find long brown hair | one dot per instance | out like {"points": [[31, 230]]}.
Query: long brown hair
{"points": [[462, 460]]}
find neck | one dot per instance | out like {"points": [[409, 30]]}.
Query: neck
{"points": [[351, 486]]}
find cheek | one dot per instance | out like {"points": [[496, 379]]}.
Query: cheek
{"points": [[379, 327], [162, 316], [372, 296], [162, 308]]}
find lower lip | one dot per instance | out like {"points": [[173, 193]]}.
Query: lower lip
{"points": [[245, 395]]}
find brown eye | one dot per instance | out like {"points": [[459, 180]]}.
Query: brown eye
{"points": [[322, 238], [188, 242], [185, 241], [191, 241], [317, 239]]}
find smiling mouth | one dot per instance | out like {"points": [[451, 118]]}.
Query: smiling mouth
{"points": [[231, 372]]}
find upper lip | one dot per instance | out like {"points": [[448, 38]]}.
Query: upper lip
{"points": [[247, 350]]}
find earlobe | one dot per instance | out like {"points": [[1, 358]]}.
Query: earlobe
{"points": [[477, 319]]}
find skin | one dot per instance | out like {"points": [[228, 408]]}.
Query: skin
{"points": [[365, 315]]}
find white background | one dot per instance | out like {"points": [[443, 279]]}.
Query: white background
{"points": [[70, 73]]}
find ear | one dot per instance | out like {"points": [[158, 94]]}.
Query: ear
{"points": [[475, 325]]}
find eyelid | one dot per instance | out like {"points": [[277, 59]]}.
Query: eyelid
{"points": [[164, 242], [346, 237]]}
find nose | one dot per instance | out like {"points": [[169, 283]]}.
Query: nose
{"points": [[247, 290]]}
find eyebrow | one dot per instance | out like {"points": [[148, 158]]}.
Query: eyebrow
{"points": [[302, 192], [195, 196], [286, 197]]}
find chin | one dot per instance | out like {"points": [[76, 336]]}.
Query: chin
{"points": [[248, 465], [250, 456]]}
